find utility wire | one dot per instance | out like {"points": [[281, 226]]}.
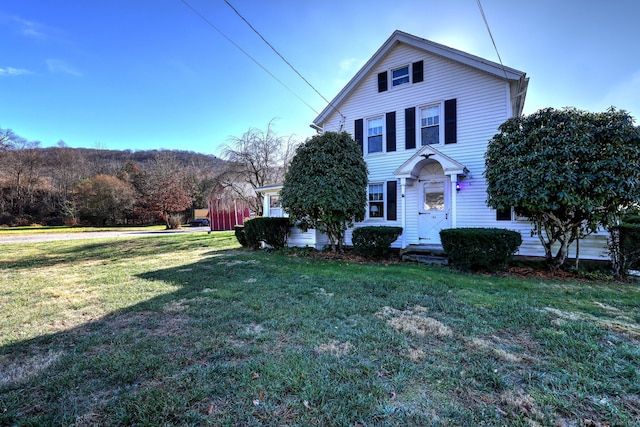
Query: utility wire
{"points": [[246, 53], [486, 23], [281, 56]]}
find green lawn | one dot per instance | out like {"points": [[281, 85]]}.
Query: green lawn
{"points": [[40, 229], [190, 329]]}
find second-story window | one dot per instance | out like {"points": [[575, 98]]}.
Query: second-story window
{"points": [[400, 76], [430, 125], [374, 135]]}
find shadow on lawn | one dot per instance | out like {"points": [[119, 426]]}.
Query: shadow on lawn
{"points": [[117, 249], [74, 376]]}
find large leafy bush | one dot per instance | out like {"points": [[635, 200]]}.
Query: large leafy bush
{"points": [[568, 171], [326, 186]]}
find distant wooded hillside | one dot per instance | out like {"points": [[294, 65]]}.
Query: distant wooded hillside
{"points": [[63, 185]]}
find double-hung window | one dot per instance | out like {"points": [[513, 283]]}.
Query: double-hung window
{"points": [[400, 76], [374, 135], [275, 207], [376, 201], [430, 125]]}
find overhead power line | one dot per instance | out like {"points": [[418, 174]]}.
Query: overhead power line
{"points": [[246, 53], [486, 23], [281, 56]]}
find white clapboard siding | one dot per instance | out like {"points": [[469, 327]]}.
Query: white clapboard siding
{"points": [[483, 103], [310, 238], [482, 106]]}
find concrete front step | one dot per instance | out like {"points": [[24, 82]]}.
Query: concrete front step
{"points": [[426, 254], [425, 259]]}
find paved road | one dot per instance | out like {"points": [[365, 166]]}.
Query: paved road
{"points": [[47, 237]]}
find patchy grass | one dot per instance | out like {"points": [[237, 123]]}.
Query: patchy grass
{"points": [[192, 330]]}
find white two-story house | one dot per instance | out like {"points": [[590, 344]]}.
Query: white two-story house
{"points": [[423, 114]]}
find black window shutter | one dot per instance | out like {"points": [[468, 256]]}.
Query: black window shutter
{"points": [[410, 128], [382, 81], [450, 121], [418, 71], [358, 132], [392, 200], [391, 131]]}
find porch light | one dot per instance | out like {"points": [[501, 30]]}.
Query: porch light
{"points": [[457, 186]]}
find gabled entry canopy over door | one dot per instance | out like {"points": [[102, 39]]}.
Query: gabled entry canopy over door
{"points": [[431, 176], [412, 167]]}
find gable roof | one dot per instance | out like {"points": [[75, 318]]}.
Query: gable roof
{"points": [[518, 81], [411, 168]]}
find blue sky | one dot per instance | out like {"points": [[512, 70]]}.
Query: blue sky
{"points": [[151, 74]]}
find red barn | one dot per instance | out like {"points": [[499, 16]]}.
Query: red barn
{"points": [[226, 210]]}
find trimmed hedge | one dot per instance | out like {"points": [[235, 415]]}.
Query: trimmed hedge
{"points": [[475, 249], [273, 231], [630, 244], [374, 241], [631, 219], [239, 232], [625, 248]]}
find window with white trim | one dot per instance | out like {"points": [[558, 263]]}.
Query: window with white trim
{"points": [[430, 125], [376, 200], [374, 135], [275, 207], [400, 76]]}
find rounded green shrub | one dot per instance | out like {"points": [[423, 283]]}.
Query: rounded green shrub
{"points": [[374, 241], [629, 241], [631, 219], [272, 231], [488, 249], [239, 232]]}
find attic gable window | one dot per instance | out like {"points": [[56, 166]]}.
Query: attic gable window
{"points": [[413, 73], [400, 76]]}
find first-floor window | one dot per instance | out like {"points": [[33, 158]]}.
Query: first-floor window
{"points": [[503, 214], [275, 207], [374, 135], [430, 125], [376, 201]]}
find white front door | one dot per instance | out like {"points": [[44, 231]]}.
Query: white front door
{"points": [[433, 212]]}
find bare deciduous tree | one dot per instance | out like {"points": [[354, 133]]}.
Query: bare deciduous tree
{"points": [[21, 161], [257, 158], [166, 189]]}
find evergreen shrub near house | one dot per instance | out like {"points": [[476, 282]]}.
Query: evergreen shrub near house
{"points": [[272, 231], [332, 165], [631, 219], [239, 232], [252, 233], [374, 241], [630, 244], [624, 246], [488, 249]]}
